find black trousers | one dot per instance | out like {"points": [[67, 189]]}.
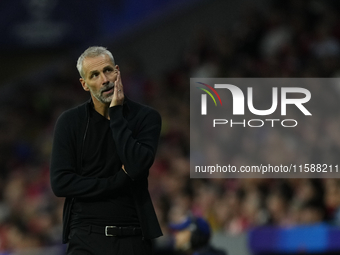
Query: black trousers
{"points": [[83, 242]]}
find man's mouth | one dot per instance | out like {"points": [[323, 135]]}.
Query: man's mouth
{"points": [[108, 90]]}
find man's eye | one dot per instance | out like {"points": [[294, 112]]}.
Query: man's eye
{"points": [[108, 70]]}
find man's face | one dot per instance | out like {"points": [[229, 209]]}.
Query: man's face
{"points": [[99, 77]]}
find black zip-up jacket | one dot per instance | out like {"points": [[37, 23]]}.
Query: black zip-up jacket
{"points": [[135, 129]]}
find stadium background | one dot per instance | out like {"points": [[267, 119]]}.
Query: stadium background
{"points": [[159, 45]]}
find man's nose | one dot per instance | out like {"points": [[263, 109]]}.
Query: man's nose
{"points": [[104, 79]]}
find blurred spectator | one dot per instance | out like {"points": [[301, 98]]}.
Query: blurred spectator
{"points": [[312, 212], [192, 236]]}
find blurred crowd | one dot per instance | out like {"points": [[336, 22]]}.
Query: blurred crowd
{"points": [[296, 38]]}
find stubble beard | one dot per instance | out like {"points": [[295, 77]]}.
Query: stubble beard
{"points": [[105, 99]]}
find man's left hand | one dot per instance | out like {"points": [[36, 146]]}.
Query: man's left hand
{"points": [[118, 93]]}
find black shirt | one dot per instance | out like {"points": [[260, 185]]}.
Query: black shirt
{"points": [[135, 129], [100, 159]]}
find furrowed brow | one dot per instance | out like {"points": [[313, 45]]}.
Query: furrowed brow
{"points": [[108, 68], [93, 72]]}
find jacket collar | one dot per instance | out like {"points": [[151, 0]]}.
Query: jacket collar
{"points": [[126, 107]]}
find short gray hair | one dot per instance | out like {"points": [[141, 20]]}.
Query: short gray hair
{"points": [[91, 52]]}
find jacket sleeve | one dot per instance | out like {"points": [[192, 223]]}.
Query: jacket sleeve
{"points": [[65, 181], [136, 152]]}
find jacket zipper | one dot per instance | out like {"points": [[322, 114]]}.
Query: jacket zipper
{"points": [[83, 144]]}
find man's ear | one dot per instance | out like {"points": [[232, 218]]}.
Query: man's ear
{"points": [[117, 67], [84, 85]]}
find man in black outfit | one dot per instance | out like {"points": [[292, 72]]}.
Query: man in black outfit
{"points": [[102, 152]]}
